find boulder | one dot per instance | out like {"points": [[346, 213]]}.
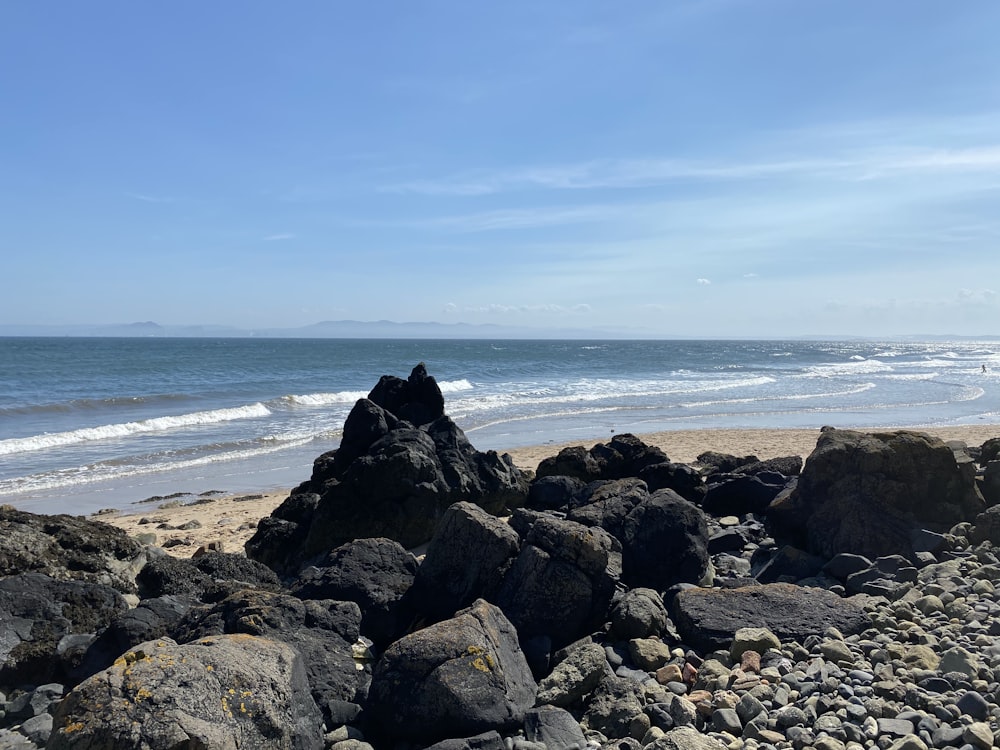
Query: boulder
{"points": [[664, 541], [574, 461], [150, 619], [223, 691], [987, 526], [624, 455], [612, 707], [576, 676], [865, 492], [738, 494], [606, 502], [553, 492], [375, 574], [685, 480], [562, 581], [707, 619], [390, 478], [456, 678], [639, 613], [554, 727], [714, 462], [68, 548], [36, 613], [323, 632], [466, 560]]}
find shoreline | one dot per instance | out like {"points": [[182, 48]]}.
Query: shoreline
{"points": [[229, 520]]}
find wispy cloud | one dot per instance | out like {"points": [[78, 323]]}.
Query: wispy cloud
{"points": [[843, 162], [278, 237], [146, 198], [529, 218]]}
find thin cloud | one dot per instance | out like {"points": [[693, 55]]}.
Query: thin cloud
{"points": [[145, 198], [278, 237], [704, 282]]}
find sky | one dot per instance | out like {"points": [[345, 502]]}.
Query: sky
{"points": [[714, 168]]}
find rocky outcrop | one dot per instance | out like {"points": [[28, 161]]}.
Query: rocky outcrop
{"points": [[226, 691], [624, 455], [390, 478], [865, 493], [38, 615], [371, 648], [457, 678], [70, 548]]}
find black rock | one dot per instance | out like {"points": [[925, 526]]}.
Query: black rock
{"points": [[376, 574], [707, 619], [466, 560], [453, 679]]}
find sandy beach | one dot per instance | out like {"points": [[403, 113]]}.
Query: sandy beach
{"points": [[184, 525]]}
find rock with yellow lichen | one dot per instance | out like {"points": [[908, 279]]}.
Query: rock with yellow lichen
{"points": [[456, 678], [230, 691]]}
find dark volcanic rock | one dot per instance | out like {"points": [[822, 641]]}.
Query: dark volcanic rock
{"points": [[562, 581], [150, 619], [664, 541], [708, 619], [685, 480], [457, 678], [68, 548], [624, 455], [553, 492], [391, 478], [223, 691], [724, 463], [466, 560], [865, 492], [322, 631], [739, 494], [36, 613], [375, 574]]}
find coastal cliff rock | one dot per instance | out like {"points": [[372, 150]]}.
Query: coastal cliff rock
{"points": [[391, 478], [865, 493]]}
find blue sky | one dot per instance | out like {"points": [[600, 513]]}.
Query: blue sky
{"points": [[691, 167]]}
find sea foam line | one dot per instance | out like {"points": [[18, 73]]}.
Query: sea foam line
{"points": [[349, 397], [125, 429], [93, 473]]}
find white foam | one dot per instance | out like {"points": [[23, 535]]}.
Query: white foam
{"points": [[77, 475], [125, 429], [455, 386], [326, 399], [862, 367]]}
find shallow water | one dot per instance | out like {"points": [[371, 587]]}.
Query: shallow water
{"points": [[91, 423]]}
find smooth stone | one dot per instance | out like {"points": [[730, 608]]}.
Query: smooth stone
{"points": [[974, 705], [979, 735]]}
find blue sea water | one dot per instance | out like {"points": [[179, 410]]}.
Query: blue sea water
{"points": [[92, 423]]}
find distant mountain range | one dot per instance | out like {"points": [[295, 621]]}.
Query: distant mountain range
{"points": [[347, 329]]}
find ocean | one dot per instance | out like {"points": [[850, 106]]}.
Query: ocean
{"points": [[94, 423]]}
